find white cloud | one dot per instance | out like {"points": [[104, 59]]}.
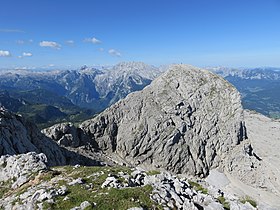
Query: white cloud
{"points": [[114, 52], [70, 42], [101, 49], [5, 53], [50, 44], [26, 54], [93, 40]]}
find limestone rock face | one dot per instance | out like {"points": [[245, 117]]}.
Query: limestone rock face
{"points": [[66, 134], [256, 162], [20, 167], [20, 136], [186, 121]]}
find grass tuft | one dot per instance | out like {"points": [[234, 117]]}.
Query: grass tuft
{"points": [[153, 172], [225, 203], [198, 187], [249, 200]]}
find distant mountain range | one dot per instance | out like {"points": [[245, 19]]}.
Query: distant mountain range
{"points": [[53, 96], [43, 107], [47, 97], [260, 88]]}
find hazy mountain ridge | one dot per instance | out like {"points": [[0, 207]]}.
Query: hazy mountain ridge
{"points": [[96, 89], [265, 73], [85, 87], [43, 107], [71, 91], [259, 87]]}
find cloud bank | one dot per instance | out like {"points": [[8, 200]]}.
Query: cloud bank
{"points": [[50, 44], [26, 54], [70, 42], [5, 53], [114, 52], [93, 40]]}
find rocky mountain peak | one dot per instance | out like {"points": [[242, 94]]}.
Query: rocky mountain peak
{"points": [[131, 65], [185, 122], [136, 68]]}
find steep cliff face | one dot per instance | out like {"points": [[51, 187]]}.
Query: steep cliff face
{"points": [[256, 162], [185, 121], [20, 136], [66, 134]]}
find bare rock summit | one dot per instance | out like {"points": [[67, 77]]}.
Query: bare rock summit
{"points": [[186, 121]]}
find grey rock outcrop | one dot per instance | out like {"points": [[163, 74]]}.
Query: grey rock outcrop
{"points": [[254, 167], [172, 192], [20, 167], [66, 134], [20, 136], [186, 121]]}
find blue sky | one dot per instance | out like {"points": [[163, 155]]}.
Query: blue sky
{"points": [[71, 33]]}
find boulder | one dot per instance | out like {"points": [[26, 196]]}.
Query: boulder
{"points": [[20, 167]]}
